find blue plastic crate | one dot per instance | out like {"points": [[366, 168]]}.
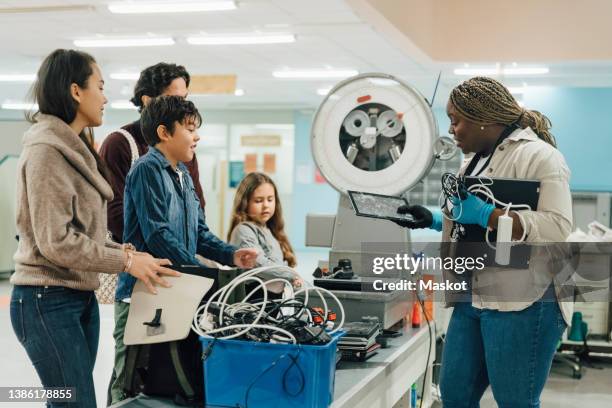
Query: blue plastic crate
{"points": [[270, 373]]}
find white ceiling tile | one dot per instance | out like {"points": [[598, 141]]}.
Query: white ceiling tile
{"points": [[328, 34]]}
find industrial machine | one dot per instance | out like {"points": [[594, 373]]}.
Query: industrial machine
{"points": [[377, 134]]}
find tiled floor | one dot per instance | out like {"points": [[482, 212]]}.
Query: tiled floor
{"points": [[594, 390]]}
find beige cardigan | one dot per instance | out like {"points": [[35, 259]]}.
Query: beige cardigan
{"points": [[61, 211], [524, 156]]}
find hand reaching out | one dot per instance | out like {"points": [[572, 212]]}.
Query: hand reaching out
{"points": [[245, 257]]}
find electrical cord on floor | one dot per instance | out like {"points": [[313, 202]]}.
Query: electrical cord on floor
{"points": [[428, 350]]}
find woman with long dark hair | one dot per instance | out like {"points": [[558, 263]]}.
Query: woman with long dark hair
{"points": [[62, 191]]}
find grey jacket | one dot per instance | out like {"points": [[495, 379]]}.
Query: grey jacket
{"points": [[252, 235]]}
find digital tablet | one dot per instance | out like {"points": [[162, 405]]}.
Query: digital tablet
{"points": [[378, 206]]}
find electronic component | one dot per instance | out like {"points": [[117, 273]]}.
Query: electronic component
{"points": [[359, 355], [506, 194], [285, 320], [374, 132], [359, 341], [378, 206], [504, 239], [356, 123], [389, 123]]}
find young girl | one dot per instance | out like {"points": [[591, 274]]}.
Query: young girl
{"points": [[62, 193], [257, 222]]}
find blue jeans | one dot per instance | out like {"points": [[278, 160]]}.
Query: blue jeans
{"points": [[59, 329], [511, 351]]}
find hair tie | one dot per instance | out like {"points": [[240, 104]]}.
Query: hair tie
{"points": [[518, 121]]}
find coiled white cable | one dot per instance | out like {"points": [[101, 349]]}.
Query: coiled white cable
{"points": [[340, 307], [483, 189], [224, 293]]}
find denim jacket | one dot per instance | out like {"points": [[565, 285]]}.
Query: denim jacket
{"points": [[163, 217]]}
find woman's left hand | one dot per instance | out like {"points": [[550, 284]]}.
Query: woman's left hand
{"points": [[472, 210], [245, 257]]}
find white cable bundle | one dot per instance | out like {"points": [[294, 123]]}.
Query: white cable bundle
{"points": [[203, 327], [483, 189]]}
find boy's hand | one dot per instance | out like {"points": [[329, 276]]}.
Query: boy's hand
{"points": [[245, 257]]}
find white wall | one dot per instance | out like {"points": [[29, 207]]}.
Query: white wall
{"points": [[11, 133]]}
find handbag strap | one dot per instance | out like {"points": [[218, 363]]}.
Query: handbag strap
{"points": [[133, 148]]}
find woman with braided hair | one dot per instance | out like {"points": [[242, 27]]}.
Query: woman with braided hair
{"points": [[507, 341]]}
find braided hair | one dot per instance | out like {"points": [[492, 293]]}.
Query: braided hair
{"points": [[487, 102]]}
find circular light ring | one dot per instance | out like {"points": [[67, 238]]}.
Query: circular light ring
{"points": [[356, 123], [417, 118]]}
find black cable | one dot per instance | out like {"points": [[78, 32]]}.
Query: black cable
{"points": [[294, 362], [453, 187], [284, 381], [428, 350], [286, 303], [208, 350], [290, 323]]}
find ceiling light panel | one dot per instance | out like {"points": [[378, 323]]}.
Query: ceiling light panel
{"points": [[124, 42], [122, 104], [526, 71], [171, 7], [13, 105], [315, 74], [125, 76], [244, 39], [492, 71], [475, 71], [17, 77]]}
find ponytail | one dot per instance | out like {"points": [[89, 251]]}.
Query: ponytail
{"points": [[539, 123]]}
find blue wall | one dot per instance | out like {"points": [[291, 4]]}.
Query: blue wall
{"points": [[582, 125], [443, 120], [308, 196]]}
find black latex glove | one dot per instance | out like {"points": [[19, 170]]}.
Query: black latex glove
{"points": [[422, 216]]}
